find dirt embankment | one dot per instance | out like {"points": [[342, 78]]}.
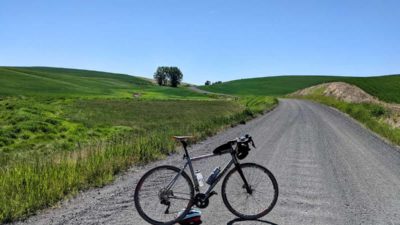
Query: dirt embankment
{"points": [[352, 94], [339, 90]]}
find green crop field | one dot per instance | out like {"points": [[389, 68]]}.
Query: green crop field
{"points": [[386, 88], [267, 86], [64, 130], [61, 82]]}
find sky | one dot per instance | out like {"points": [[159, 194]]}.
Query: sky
{"points": [[208, 40]]}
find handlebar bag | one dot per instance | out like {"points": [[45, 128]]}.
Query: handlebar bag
{"points": [[242, 150]]}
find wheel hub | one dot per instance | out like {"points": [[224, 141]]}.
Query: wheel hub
{"points": [[164, 195]]}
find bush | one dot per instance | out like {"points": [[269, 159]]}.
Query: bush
{"points": [[377, 110]]}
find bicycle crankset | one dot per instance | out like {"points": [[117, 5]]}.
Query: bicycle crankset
{"points": [[202, 201]]}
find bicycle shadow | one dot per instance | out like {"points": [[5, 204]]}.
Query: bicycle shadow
{"points": [[234, 221]]}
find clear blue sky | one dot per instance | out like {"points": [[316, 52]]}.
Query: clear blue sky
{"points": [[207, 39]]}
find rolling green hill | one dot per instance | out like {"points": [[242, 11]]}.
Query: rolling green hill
{"points": [[34, 102], [386, 88], [62, 82], [272, 86], [64, 130]]}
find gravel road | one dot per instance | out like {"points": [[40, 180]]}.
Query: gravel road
{"points": [[196, 89], [330, 170]]}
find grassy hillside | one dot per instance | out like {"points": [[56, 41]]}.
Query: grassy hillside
{"points": [[267, 86], [61, 82], [64, 130], [386, 88]]}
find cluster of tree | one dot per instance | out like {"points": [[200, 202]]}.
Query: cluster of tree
{"points": [[168, 75], [209, 83]]}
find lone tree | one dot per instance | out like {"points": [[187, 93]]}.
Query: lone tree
{"points": [[175, 76], [171, 75], [161, 75], [207, 83]]}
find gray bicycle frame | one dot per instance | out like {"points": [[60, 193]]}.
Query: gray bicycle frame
{"points": [[196, 183]]}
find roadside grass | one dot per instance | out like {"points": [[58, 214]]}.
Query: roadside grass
{"points": [[258, 104], [28, 184], [371, 115], [385, 88], [66, 130]]}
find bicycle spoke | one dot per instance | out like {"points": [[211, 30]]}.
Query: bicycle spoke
{"points": [[249, 205], [156, 202], [178, 198]]}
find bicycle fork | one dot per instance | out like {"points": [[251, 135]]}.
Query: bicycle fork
{"points": [[246, 184]]}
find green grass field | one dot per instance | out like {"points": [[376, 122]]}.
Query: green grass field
{"points": [[386, 88], [33, 101], [64, 130], [31, 180], [61, 82]]}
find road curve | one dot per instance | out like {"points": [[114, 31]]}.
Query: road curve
{"points": [[330, 170], [196, 89]]}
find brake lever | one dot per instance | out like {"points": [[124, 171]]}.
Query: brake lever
{"points": [[252, 143]]}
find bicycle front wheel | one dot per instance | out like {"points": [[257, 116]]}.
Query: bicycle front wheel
{"points": [[163, 196], [263, 196]]}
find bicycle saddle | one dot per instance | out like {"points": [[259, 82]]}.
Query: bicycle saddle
{"points": [[182, 138]]}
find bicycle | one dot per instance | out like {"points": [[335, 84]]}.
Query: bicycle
{"points": [[164, 191]]}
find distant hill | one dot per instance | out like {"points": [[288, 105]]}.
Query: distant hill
{"points": [[386, 88], [63, 82]]}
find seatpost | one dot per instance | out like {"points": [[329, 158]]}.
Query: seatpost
{"points": [[189, 162], [184, 144]]}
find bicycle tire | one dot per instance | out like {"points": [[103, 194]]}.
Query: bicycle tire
{"points": [[139, 186], [234, 172]]}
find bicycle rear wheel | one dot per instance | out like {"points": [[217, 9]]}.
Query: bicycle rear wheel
{"points": [[256, 204], [158, 204]]}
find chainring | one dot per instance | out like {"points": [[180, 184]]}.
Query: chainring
{"points": [[201, 201]]}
